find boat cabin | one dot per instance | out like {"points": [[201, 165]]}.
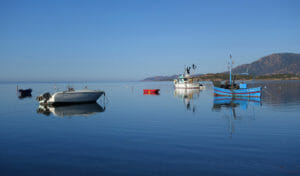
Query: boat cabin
{"points": [[227, 85], [183, 79]]}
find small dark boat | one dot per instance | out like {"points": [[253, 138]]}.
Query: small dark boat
{"points": [[23, 93], [151, 91]]}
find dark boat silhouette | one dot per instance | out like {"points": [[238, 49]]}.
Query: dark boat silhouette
{"points": [[23, 93]]}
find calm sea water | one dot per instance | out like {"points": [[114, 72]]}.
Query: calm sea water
{"points": [[174, 133]]}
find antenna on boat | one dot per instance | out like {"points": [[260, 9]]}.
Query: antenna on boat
{"points": [[55, 88], [230, 63], [188, 70], [194, 67]]}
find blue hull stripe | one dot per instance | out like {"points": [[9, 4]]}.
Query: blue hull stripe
{"points": [[251, 92]]}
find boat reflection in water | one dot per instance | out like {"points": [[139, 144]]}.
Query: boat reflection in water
{"points": [[22, 96], [229, 102], [188, 95], [236, 108], [71, 110]]}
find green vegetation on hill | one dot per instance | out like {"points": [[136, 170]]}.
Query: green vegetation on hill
{"points": [[279, 63], [278, 66], [225, 76], [279, 76]]}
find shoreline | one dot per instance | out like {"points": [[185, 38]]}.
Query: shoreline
{"points": [[225, 79], [223, 76]]}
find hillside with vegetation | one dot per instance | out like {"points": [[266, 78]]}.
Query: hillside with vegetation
{"points": [[280, 66], [281, 63]]}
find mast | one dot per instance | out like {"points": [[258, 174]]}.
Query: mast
{"points": [[230, 66]]}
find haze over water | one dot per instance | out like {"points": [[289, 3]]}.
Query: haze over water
{"points": [[174, 133]]}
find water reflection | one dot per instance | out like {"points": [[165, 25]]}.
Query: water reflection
{"points": [[229, 102], [231, 106], [22, 96], [280, 92], [188, 95], [71, 110]]}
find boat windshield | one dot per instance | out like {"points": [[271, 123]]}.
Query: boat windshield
{"points": [[70, 89]]}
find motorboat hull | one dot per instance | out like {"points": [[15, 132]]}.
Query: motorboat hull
{"points": [[250, 92], [73, 97], [188, 86]]}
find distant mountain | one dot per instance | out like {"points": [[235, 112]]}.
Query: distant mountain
{"points": [[281, 63], [161, 78]]}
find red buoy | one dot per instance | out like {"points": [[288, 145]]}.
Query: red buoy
{"points": [[151, 91]]}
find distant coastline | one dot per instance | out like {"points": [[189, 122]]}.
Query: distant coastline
{"points": [[277, 66], [225, 76]]}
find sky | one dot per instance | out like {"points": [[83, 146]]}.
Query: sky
{"points": [[124, 40]]}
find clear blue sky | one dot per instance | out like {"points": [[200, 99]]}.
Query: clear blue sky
{"points": [[130, 40]]}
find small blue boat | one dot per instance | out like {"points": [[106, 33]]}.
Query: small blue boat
{"points": [[239, 92], [233, 90]]}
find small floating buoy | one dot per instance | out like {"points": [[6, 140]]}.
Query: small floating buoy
{"points": [[151, 91]]}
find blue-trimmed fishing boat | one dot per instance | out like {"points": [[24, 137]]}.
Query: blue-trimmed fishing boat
{"points": [[233, 90], [239, 92]]}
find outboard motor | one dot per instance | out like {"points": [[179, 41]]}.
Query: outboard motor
{"points": [[44, 97], [47, 95]]}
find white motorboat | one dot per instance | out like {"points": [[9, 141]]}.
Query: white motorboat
{"points": [[185, 81], [70, 96]]}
